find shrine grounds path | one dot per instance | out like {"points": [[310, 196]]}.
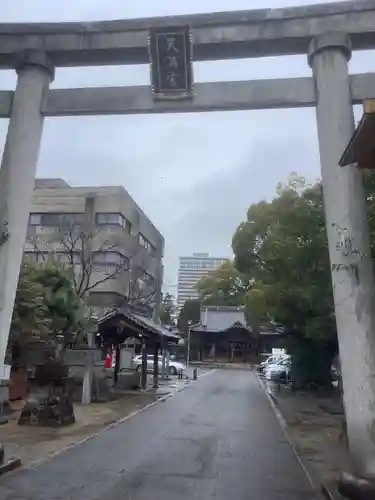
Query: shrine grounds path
{"points": [[217, 439]]}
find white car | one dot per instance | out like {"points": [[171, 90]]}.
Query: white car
{"points": [[175, 367], [269, 361], [282, 366]]}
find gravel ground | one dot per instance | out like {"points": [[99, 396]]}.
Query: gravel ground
{"points": [[314, 425]]}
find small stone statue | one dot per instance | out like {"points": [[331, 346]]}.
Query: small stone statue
{"points": [[53, 411]]}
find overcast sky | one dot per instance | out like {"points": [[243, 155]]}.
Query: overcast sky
{"points": [[194, 175]]}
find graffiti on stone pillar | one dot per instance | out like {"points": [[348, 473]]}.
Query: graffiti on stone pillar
{"points": [[345, 246], [4, 232], [350, 268], [345, 243]]}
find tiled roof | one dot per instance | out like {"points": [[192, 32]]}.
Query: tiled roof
{"points": [[143, 321], [152, 325], [218, 319]]}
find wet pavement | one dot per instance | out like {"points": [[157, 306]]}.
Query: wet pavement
{"points": [[217, 439]]}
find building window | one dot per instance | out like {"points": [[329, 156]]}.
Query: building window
{"points": [[146, 244], [111, 257], [64, 258], [55, 219], [113, 219], [35, 219]]}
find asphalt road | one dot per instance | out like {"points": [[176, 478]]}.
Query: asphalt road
{"points": [[218, 439]]}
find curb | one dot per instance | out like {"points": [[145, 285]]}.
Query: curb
{"points": [[110, 426], [216, 366], [11, 465], [96, 434], [328, 492], [326, 489], [284, 426]]}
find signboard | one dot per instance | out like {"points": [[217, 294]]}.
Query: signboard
{"points": [[171, 62], [278, 352], [82, 357]]}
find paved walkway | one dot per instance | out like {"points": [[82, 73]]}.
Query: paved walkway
{"points": [[217, 439]]}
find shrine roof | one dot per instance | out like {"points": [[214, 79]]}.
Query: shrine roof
{"points": [[221, 318], [146, 324]]}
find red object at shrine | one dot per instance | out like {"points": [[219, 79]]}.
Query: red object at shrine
{"points": [[109, 360]]}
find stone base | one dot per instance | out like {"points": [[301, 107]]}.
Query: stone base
{"points": [[54, 411], [128, 380], [355, 488], [100, 386], [100, 389]]}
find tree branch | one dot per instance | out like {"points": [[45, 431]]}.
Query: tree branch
{"points": [[134, 293], [69, 246], [33, 242], [79, 244], [118, 269]]}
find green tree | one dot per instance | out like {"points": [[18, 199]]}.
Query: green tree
{"points": [[64, 307], [369, 186], [30, 313], [225, 286], [45, 305], [168, 309], [189, 315], [283, 246]]}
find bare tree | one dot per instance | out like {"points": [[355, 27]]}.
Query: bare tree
{"points": [[81, 251], [141, 289], [136, 294], [84, 253], [33, 241], [85, 257]]}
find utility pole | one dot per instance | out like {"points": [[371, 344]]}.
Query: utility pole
{"points": [[188, 344]]}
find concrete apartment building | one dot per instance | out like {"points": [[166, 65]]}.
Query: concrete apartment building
{"points": [[105, 235], [191, 270]]}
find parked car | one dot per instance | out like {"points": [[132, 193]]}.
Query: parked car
{"points": [[174, 366], [279, 371], [269, 361]]}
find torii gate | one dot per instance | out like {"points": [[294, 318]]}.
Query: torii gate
{"points": [[325, 33]]}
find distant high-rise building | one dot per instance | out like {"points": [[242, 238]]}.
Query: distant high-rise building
{"points": [[191, 270]]}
